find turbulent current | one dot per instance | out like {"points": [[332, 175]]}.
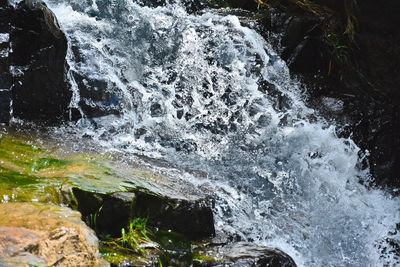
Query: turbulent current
{"points": [[204, 93]]}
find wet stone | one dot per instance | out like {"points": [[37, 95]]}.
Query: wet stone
{"points": [[4, 42], [39, 47], [97, 96], [5, 81], [115, 213], [192, 218], [5, 18], [5, 98], [241, 254]]}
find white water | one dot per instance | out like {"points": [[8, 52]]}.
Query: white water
{"points": [[186, 89]]}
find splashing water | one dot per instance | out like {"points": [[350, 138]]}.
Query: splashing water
{"points": [[203, 92]]}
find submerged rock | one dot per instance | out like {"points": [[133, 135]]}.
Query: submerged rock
{"points": [[38, 49], [241, 254], [45, 235]]}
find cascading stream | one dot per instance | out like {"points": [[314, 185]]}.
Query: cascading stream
{"points": [[205, 93]]}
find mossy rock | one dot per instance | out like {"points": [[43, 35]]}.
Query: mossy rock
{"points": [[100, 189], [30, 173]]}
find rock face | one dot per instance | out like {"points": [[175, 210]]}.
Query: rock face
{"points": [[45, 235], [33, 68], [242, 254], [40, 91], [368, 83]]}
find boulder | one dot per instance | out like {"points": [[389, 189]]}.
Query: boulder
{"points": [[45, 235], [241, 254], [40, 89], [191, 217]]}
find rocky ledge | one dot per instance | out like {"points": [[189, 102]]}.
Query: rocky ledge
{"points": [[142, 217]]}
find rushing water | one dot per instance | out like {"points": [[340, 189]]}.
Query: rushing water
{"points": [[204, 93]]}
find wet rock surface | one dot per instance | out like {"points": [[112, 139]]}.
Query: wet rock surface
{"points": [[192, 218], [109, 198], [39, 47], [33, 68], [114, 194], [242, 254], [45, 235]]}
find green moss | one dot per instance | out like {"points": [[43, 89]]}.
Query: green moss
{"points": [[43, 163], [203, 255], [28, 172], [204, 258], [115, 257]]}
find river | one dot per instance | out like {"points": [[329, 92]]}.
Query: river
{"points": [[205, 94]]}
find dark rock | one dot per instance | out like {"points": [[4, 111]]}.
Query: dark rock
{"points": [[176, 249], [41, 91], [378, 38], [377, 129], [5, 78], [88, 202], [241, 254], [192, 218], [97, 98], [115, 213], [4, 3], [5, 99], [306, 52], [303, 45]]}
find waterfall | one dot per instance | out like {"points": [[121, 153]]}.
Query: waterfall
{"points": [[204, 93]]}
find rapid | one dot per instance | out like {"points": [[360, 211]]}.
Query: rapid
{"points": [[213, 101]]}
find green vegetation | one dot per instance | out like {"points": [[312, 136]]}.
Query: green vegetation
{"points": [[135, 244], [140, 243], [135, 239], [31, 173], [204, 258]]}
